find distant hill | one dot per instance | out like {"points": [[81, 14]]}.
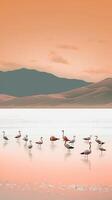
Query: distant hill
{"points": [[91, 96], [26, 82], [95, 94]]}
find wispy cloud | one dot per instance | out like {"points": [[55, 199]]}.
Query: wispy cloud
{"points": [[99, 70], [54, 57], [100, 41], [68, 47], [34, 61]]}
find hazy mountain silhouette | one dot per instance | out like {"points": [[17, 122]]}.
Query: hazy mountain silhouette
{"points": [[26, 82], [94, 95]]}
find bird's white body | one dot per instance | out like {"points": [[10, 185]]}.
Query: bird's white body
{"points": [[99, 141], [30, 145], [4, 136], [87, 138], [40, 142], [73, 140], [68, 146], [19, 135], [101, 148], [25, 138], [88, 151]]}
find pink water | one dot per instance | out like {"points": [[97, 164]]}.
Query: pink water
{"points": [[52, 172]]}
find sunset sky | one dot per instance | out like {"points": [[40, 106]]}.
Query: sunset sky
{"points": [[69, 38]]}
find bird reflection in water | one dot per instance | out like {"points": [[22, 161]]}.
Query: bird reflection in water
{"points": [[102, 150], [53, 146], [30, 155], [87, 162], [25, 146], [39, 147], [5, 143], [68, 154], [18, 142]]}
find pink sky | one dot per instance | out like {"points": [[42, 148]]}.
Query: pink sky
{"points": [[68, 38]]}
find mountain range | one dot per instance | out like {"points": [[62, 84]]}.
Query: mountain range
{"points": [[27, 82], [94, 95]]}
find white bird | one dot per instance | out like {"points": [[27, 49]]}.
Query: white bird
{"points": [[19, 135], [101, 148], [88, 151], [99, 141], [30, 145], [68, 146], [87, 138], [40, 142], [73, 140], [4, 136], [25, 138]]}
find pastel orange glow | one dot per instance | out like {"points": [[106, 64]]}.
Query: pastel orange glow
{"points": [[68, 38], [51, 167]]}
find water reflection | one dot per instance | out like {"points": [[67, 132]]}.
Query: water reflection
{"points": [[53, 146], [101, 154], [39, 147], [30, 154], [18, 141], [87, 162], [86, 142], [25, 144], [67, 171], [56, 164], [5, 143], [68, 154]]}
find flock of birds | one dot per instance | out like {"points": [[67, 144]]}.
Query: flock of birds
{"points": [[68, 143]]}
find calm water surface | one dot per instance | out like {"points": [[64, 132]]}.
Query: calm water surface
{"points": [[51, 171]]}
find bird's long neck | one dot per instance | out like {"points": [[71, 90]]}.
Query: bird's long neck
{"points": [[63, 133], [90, 147], [41, 139]]}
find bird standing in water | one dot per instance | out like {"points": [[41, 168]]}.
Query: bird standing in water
{"points": [[64, 137], [101, 148], [25, 138], [68, 146], [30, 145], [73, 140], [4, 136], [40, 142], [99, 141], [53, 138], [19, 135], [88, 151], [87, 138]]}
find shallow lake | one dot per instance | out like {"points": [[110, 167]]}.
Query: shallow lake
{"points": [[51, 172]]}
